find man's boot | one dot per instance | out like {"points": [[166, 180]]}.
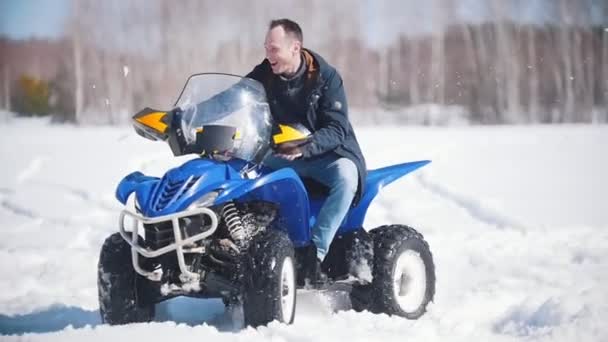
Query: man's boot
{"points": [[320, 277], [309, 269]]}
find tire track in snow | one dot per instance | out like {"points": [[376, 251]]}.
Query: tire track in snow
{"points": [[473, 207], [82, 195], [30, 214], [78, 194], [5, 192], [17, 210], [26, 174], [34, 167], [31, 169]]}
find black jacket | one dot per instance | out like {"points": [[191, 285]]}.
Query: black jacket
{"points": [[322, 108]]}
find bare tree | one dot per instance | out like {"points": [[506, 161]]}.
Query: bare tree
{"points": [[78, 61], [532, 71], [605, 70], [437, 74], [566, 53], [7, 87], [127, 53]]}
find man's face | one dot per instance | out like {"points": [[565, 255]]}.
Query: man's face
{"points": [[282, 51]]}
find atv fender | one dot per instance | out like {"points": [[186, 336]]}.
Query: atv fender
{"points": [[135, 181], [282, 187], [376, 180]]}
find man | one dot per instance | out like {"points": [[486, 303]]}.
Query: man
{"points": [[303, 88]]}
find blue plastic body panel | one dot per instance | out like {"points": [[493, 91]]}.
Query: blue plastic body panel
{"points": [[376, 180], [183, 185]]}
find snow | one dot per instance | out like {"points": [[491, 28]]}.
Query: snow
{"points": [[515, 216]]}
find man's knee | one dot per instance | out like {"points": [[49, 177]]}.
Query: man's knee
{"points": [[348, 175]]}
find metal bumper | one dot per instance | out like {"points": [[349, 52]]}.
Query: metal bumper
{"points": [[179, 246]]}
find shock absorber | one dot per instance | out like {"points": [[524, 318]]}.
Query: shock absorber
{"points": [[234, 224]]}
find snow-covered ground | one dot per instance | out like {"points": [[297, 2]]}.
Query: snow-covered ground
{"points": [[517, 219]]}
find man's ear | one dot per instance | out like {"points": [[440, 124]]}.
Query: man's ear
{"points": [[297, 46]]}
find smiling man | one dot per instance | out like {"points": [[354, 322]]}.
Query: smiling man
{"points": [[302, 88]]}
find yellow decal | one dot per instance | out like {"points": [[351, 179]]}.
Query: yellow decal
{"points": [[237, 135], [200, 130], [288, 133], [153, 120]]}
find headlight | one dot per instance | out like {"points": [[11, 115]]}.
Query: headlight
{"points": [[137, 207], [204, 201], [132, 203]]}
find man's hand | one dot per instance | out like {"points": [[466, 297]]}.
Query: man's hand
{"points": [[290, 157], [289, 154], [289, 150]]}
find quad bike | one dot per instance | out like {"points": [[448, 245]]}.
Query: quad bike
{"points": [[222, 225]]}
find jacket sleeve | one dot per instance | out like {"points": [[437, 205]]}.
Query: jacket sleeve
{"points": [[332, 116], [258, 72]]}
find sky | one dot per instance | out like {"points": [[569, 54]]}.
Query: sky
{"points": [[22, 19], [423, 17]]}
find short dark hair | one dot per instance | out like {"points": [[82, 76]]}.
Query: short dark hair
{"points": [[291, 27]]}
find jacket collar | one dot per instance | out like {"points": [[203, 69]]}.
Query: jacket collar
{"points": [[312, 65]]}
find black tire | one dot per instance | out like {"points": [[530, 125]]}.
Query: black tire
{"points": [[360, 297], [350, 255], [270, 255], [118, 285], [360, 255], [390, 243]]}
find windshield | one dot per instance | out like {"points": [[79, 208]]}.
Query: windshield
{"points": [[227, 101]]}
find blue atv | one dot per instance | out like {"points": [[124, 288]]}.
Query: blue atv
{"points": [[222, 225]]}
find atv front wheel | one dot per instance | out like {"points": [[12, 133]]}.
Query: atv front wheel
{"points": [[404, 272], [270, 287], [120, 300]]}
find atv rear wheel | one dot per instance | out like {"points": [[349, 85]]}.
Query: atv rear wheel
{"points": [[404, 272], [118, 285], [270, 286]]}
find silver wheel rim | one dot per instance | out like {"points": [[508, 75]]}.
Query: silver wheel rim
{"points": [[288, 289], [409, 281]]}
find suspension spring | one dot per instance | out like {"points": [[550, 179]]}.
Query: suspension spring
{"points": [[234, 224]]}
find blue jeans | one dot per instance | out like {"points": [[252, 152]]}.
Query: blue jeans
{"points": [[341, 176]]}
